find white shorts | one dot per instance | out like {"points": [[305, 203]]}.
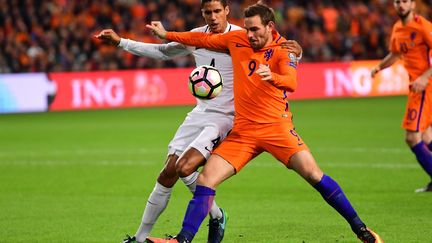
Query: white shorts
{"points": [[202, 131]]}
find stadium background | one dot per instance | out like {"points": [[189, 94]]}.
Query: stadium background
{"points": [[84, 176], [55, 36]]}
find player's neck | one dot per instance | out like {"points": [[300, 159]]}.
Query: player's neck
{"points": [[407, 18], [224, 27], [269, 41]]}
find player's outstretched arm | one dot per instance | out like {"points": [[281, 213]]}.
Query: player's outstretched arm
{"points": [[108, 36], [156, 51], [389, 60], [198, 39]]}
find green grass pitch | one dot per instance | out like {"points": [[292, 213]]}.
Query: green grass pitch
{"points": [[85, 176]]}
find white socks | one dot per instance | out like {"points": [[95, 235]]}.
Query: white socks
{"points": [[156, 204], [190, 182]]}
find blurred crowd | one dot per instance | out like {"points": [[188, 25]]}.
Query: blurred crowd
{"points": [[57, 35]]}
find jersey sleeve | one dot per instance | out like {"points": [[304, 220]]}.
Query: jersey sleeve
{"points": [[203, 40], [427, 32], [287, 78], [156, 51], [393, 47]]}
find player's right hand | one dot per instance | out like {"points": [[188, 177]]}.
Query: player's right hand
{"points": [[157, 29], [419, 85], [109, 36], [293, 46], [374, 71]]}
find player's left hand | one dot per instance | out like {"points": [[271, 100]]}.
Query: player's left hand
{"points": [[265, 72], [157, 29], [109, 36], [294, 47], [419, 85]]}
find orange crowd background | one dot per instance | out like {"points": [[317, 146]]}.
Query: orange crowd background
{"points": [[56, 35]]}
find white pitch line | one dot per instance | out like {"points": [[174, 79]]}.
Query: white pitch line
{"points": [[362, 150], [83, 152], [74, 163], [379, 165], [112, 151]]}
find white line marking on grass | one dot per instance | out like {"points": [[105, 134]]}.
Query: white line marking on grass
{"points": [[79, 152], [361, 150], [375, 165], [74, 163]]}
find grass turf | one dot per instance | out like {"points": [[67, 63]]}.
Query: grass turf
{"points": [[85, 176]]}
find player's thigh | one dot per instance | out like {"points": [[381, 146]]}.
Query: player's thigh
{"points": [[238, 149], [215, 128], [184, 135], [418, 112], [305, 165], [282, 141], [193, 126]]}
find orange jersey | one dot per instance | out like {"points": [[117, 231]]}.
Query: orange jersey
{"points": [[254, 99], [413, 41]]}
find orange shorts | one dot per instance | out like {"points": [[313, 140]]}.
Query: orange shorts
{"points": [[418, 113], [249, 139]]}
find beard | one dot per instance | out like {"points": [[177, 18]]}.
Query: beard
{"points": [[403, 16]]}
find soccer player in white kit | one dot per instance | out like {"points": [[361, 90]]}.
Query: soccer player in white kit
{"points": [[203, 128]]}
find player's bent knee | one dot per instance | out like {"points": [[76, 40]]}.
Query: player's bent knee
{"points": [[314, 177], [411, 141], [168, 176], [168, 173], [183, 168]]}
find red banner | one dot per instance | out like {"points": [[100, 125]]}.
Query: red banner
{"points": [[95, 90], [164, 87], [349, 79]]}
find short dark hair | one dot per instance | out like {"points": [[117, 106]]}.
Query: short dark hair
{"points": [[223, 2], [265, 12]]}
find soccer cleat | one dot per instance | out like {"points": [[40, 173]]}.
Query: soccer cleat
{"points": [[217, 228], [130, 239], [366, 235], [427, 188], [168, 239], [161, 240]]}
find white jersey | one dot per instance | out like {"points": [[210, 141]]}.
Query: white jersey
{"points": [[224, 102], [211, 120]]}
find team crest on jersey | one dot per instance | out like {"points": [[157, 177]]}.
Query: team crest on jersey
{"points": [[293, 60], [413, 35], [268, 54]]}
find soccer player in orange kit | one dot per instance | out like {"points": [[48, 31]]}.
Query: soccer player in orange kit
{"points": [[411, 40], [263, 74]]}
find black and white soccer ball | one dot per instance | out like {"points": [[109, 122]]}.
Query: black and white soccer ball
{"points": [[205, 82]]}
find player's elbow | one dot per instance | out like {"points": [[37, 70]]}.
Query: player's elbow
{"points": [[292, 85]]}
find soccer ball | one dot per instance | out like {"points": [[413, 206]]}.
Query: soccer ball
{"points": [[205, 82]]}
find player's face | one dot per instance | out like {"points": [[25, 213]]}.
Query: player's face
{"points": [[404, 7], [215, 15], [258, 34]]}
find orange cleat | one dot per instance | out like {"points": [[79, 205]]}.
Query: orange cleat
{"points": [[368, 236], [161, 240]]}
